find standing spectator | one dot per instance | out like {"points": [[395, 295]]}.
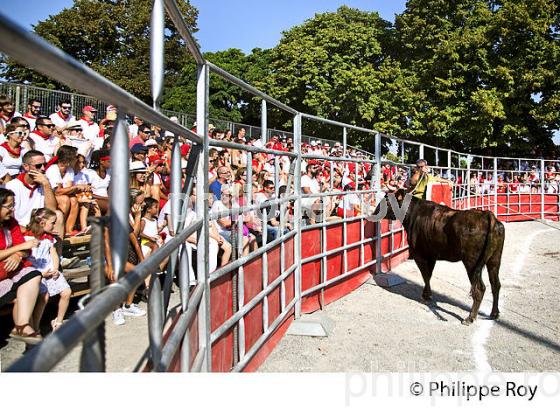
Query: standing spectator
{"points": [[33, 111], [133, 129], [64, 116], [44, 138], [10, 151], [89, 126], [32, 189], [224, 177], [18, 279]]}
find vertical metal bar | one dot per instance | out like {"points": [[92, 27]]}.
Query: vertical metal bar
{"points": [[542, 179], [155, 320], [264, 125], [323, 251], [157, 52], [265, 271], [276, 175], [17, 99], [119, 197], [448, 162], [468, 184], [402, 152], [240, 288], [437, 157], [93, 352], [495, 186], [378, 256], [344, 141], [297, 214], [204, 326], [421, 152]]}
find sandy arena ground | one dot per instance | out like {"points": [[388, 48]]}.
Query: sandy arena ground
{"points": [[391, 330]]}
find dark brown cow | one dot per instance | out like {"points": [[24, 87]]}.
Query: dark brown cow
{"points": [[437, 232]]}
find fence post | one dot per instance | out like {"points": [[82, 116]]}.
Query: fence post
{"points": [[202, 92], [264, 121], [468, 184], [18, 96], [543, 170], [378, 256], [496, 186], [297, 214], [344, 141], [420, 153], [93, 352]]}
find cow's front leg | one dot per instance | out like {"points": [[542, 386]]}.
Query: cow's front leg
{"points": [[426, 267]]}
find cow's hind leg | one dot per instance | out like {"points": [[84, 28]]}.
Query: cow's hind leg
{"points": [[477, 293], [426, 267], [493, 266]]}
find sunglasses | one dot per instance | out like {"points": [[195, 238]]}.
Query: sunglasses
{"points": [[47, 125], [39, 166], [66, 107], [37, 107], [18, 133]]}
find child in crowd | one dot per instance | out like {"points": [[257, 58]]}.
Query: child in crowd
{"points": [[45, 259], [149, 228]]}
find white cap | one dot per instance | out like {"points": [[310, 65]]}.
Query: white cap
{"points": [[137, 166]]}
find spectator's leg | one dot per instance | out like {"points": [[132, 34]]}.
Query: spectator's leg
{"points": [[84, 212], [72, 214], [226, 255], [59, 228], [39, 309], [213, 249], [25, 302], [63, 304], [63, 202]]}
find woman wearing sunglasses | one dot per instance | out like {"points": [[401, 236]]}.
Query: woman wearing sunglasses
{"points": [[11, 150]]}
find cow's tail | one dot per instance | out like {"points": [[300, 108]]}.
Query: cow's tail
{"points": [[485, 252]]}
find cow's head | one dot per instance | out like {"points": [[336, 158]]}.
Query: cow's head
{"points": [[393, 206]]}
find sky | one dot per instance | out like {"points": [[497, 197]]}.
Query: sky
{"points": [[223, 24]]}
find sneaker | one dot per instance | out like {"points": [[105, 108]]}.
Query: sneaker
{"points": [[132, 310], [68, 263], [118, 318]]}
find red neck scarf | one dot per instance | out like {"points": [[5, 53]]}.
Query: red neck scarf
{"points": [[62, 116], [5, 117], [21, 177], [27, 115], [89, 122], [40, 134], [14, 152], [44, 235]]}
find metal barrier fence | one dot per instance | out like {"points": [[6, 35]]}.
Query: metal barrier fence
{"points": [[188, 341]]}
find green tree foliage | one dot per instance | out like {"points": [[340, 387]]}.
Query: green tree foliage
{"points": [[486, 71], [112, 37]]}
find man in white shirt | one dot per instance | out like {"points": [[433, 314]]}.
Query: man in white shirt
{"points": [[33, 111], [310, 185], [32, 189], [64, 116], [90, 128], [43, 137]]}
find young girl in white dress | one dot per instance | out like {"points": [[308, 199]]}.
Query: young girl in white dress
{"points": [[45, 259]]}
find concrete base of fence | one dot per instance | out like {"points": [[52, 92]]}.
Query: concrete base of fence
{"points": [[388, 279], [307, 328]]}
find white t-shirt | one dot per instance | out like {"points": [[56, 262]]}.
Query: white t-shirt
{"points": [[99, 186], [313, 185], [349, 201], [84, 146], [60, 122], [81, 178], [217, 207], [31, 120], [90, 132], [46, 146], [56, 179], [25, 200], [12, 164]]}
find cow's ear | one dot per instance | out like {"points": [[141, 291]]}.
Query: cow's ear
{"points": [[400, 194]]}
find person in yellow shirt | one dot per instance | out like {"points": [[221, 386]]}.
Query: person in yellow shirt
{"points": [[421, 177]]}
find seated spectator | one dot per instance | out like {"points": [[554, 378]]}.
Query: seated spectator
{"points": [[138, 153], [99, 176], [144, 134], [224, 177], [10, 151], [7, 112], [149, 228], [26, 143], [89, 126], [139, 177], [63, 117], [61, 176], [32, 189], [350, 204], [18, 279], [43, 137], [86, 203], [45, 259], [74, 136]]}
